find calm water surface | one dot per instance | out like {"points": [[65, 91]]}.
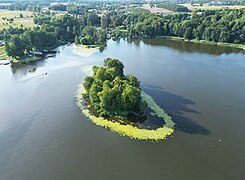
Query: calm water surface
{"points": [[43, 135]]}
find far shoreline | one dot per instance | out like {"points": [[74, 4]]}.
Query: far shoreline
{"points": [[96, 46], [195, 41]]}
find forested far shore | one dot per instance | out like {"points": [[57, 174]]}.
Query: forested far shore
{"points": [[217, 26], [93, 28]]}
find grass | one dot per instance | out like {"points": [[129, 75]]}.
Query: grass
{"points": [[128, 129], [2, 50], [156, 9], [97, 45], [210, 7], [3, 55], [239, 46], [25, 21], [27, 60]]}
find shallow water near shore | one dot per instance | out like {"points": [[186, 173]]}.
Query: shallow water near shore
{"points": [[43, 134]]}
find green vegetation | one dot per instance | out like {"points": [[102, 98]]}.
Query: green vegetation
{"points": [[174, 7], [23, 6], [91, 24], [175, 38], [226, 26], [58, 7], [203, 7], [26, 59], [129, 130], [16, 19], [115, 96], [92, 36], [2, 50], [3, 54], [140, 10], [50, 33], [158, 110], [21, 45], [111, 93]]}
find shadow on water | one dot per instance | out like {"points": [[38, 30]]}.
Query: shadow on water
{"points": [[184, 46], [135, 41], [176, 106], [24, 69]]}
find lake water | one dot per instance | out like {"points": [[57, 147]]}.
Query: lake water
{"points": [[43, 135]]}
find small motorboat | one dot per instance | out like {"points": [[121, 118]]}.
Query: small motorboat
{"points": [[5, 62]]}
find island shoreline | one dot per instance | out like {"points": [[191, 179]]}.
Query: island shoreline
{"points": [[129, 130]]}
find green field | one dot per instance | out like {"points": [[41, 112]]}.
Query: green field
{"points": [[209, 7], [26, 21]]}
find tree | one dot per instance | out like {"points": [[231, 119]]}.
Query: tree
{"points": [[77, 40], [114, 63], [88, 81], [133, 81], [188, 33], [113, 94], [103, 22], [130, 97], [15, 46]]}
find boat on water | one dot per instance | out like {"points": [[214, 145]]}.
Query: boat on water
{"points": [[5, 62]]}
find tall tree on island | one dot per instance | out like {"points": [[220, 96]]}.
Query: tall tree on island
{"points": [[112, 93]]}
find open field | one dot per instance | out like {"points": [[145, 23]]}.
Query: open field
{"points": [[209, 7], [62, 3], [155, 9], [26, 21]]}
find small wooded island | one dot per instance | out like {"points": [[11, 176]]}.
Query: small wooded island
{"points": [[109, 98]]}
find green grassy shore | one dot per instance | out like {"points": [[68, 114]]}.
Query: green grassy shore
{"points": [[239, 46], [4, 56]]}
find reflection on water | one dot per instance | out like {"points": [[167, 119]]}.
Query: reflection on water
{"points": [[187, 46]]}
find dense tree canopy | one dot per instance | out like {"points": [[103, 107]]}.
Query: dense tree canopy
{"points": [[92, 36], [112, 93], [86, 26], [58, 7], [174, 7], [218, 26]]}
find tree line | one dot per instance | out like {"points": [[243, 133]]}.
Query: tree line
{"points": [[218, 26], [173, 7], [91, 29], [49, 33]]}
